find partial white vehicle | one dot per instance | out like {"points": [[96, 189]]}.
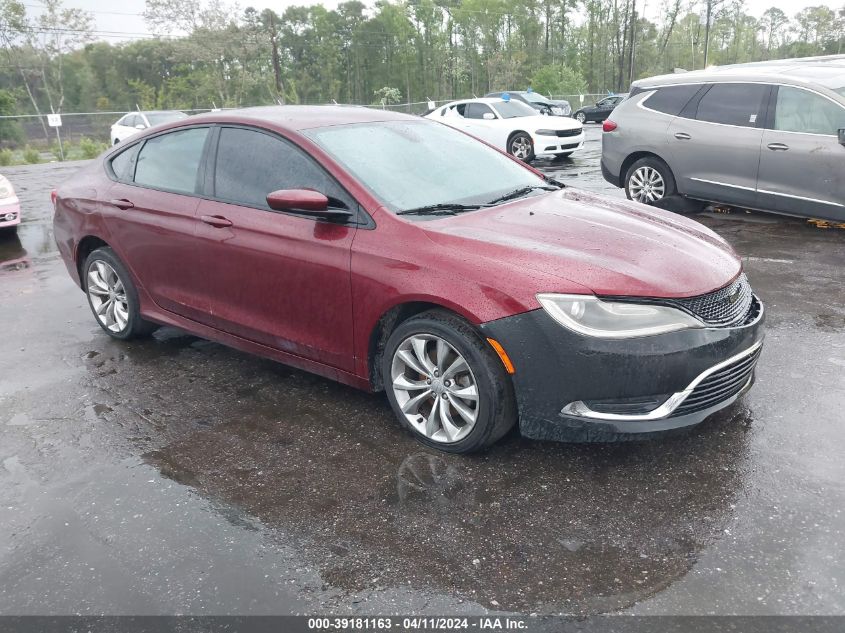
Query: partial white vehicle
{"points": [[134, 122], [513, 126]]}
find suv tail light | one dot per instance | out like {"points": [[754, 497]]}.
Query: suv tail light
{"points": [[608, 126]]}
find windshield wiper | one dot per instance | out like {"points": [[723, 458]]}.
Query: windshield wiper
{"points": [[522, 191], [441, 209]]}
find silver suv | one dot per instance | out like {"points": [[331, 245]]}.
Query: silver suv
{"points": [[768, 135]]}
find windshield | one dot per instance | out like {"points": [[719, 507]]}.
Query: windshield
{"points": [[533, 96], [412, 164], [157, 118], [512, 109]]}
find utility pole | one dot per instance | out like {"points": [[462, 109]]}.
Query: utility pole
{"points": [[277, 66], [707, 30], [633, 42]]}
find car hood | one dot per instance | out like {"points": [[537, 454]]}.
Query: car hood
{"points": [[612, 247]]}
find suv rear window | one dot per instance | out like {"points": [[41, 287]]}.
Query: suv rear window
{"points": [[671, 99], [732, 104]]}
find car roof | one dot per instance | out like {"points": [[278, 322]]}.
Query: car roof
{"points": [[828, 70], [300, 117]]}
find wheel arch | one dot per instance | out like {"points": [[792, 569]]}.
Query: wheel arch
{"points": [[634, 157], [86, 246], [385, 326]]}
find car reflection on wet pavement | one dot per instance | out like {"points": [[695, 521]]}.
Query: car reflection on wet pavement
{"points": [[176, 475]]}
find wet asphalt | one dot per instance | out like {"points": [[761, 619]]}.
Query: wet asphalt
{"points": [[176, 476]]}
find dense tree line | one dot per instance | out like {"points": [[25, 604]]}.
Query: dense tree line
{"points": [[400, 50]]}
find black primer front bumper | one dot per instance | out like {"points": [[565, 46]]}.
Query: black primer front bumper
{"points": [[622, 386]]}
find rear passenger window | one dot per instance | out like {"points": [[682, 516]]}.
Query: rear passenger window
{"points": [[732, 104], [171, 161], [672, 99]]}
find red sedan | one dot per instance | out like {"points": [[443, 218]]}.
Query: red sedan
{"points": [[393, 253]]}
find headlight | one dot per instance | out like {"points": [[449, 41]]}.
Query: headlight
{"points": [[6, 190], [546, 133], [590, 316], [557, 110]]}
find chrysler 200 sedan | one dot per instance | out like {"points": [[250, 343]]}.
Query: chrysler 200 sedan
{"points": [[472, 289]]}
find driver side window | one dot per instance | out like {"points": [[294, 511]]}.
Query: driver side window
{"points": [[477, 111], [250, 164], [799, 110]]}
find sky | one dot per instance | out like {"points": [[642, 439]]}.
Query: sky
{"points": [[124, 16]]}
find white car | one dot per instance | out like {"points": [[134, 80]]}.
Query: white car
{"points": [[133, 122], [10, 206], [513, 126]]}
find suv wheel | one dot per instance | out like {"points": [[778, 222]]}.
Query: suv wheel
{"points": [[649, 180], [446, 384]]}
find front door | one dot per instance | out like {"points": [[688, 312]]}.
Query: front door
{"points": [[802, 162], [279, 279], [714, 144], [151, 216]]}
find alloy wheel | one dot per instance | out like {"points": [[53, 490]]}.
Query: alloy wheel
{"points": [[646, 185], [435, 388], [521, 147], [108, 296], [581, 117]]}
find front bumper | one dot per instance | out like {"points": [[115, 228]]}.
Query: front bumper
{"points": [[552, 145], [10, 214], [573, 387]]}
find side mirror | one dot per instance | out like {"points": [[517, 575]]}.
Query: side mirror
{"points": [[489, 116], [304, 201], [140, 126], [842, 136]]}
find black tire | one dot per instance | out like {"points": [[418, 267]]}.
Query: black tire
{"points": [[580, 117], [521, 137], [135, 326], [645, 164], [497, 411]]}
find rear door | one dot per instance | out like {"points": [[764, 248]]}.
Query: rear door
{"points": [[714, 143], [279, 279], [802, 163], [152, 216]]}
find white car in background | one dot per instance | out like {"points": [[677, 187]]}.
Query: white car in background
{"points": [[10, 206], [133, 122], [513, 126]]}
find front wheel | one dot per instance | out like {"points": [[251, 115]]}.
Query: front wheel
{"points": [[112, 296], [649, 180], [521, 146], [581, 117], [446, 384]]}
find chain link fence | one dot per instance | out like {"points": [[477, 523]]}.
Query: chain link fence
{"points": [[27, 138]]}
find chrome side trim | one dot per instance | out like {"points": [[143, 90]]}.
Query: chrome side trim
{"points": [[581, 410], [722, 184], [790, 195]]}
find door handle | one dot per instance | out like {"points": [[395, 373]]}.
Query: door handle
{"points": [[122, 203], [683, 136], [217, 221], [778, 147]]}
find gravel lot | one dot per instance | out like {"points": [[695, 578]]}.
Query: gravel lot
{"points": [[175, 475]]}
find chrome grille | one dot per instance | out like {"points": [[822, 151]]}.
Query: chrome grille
{"points": [[722, 307], [720, 385]]}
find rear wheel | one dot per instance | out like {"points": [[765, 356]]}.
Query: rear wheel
{"points": [[112, 296], [649, 180], [446, 384], [521, 146]]}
